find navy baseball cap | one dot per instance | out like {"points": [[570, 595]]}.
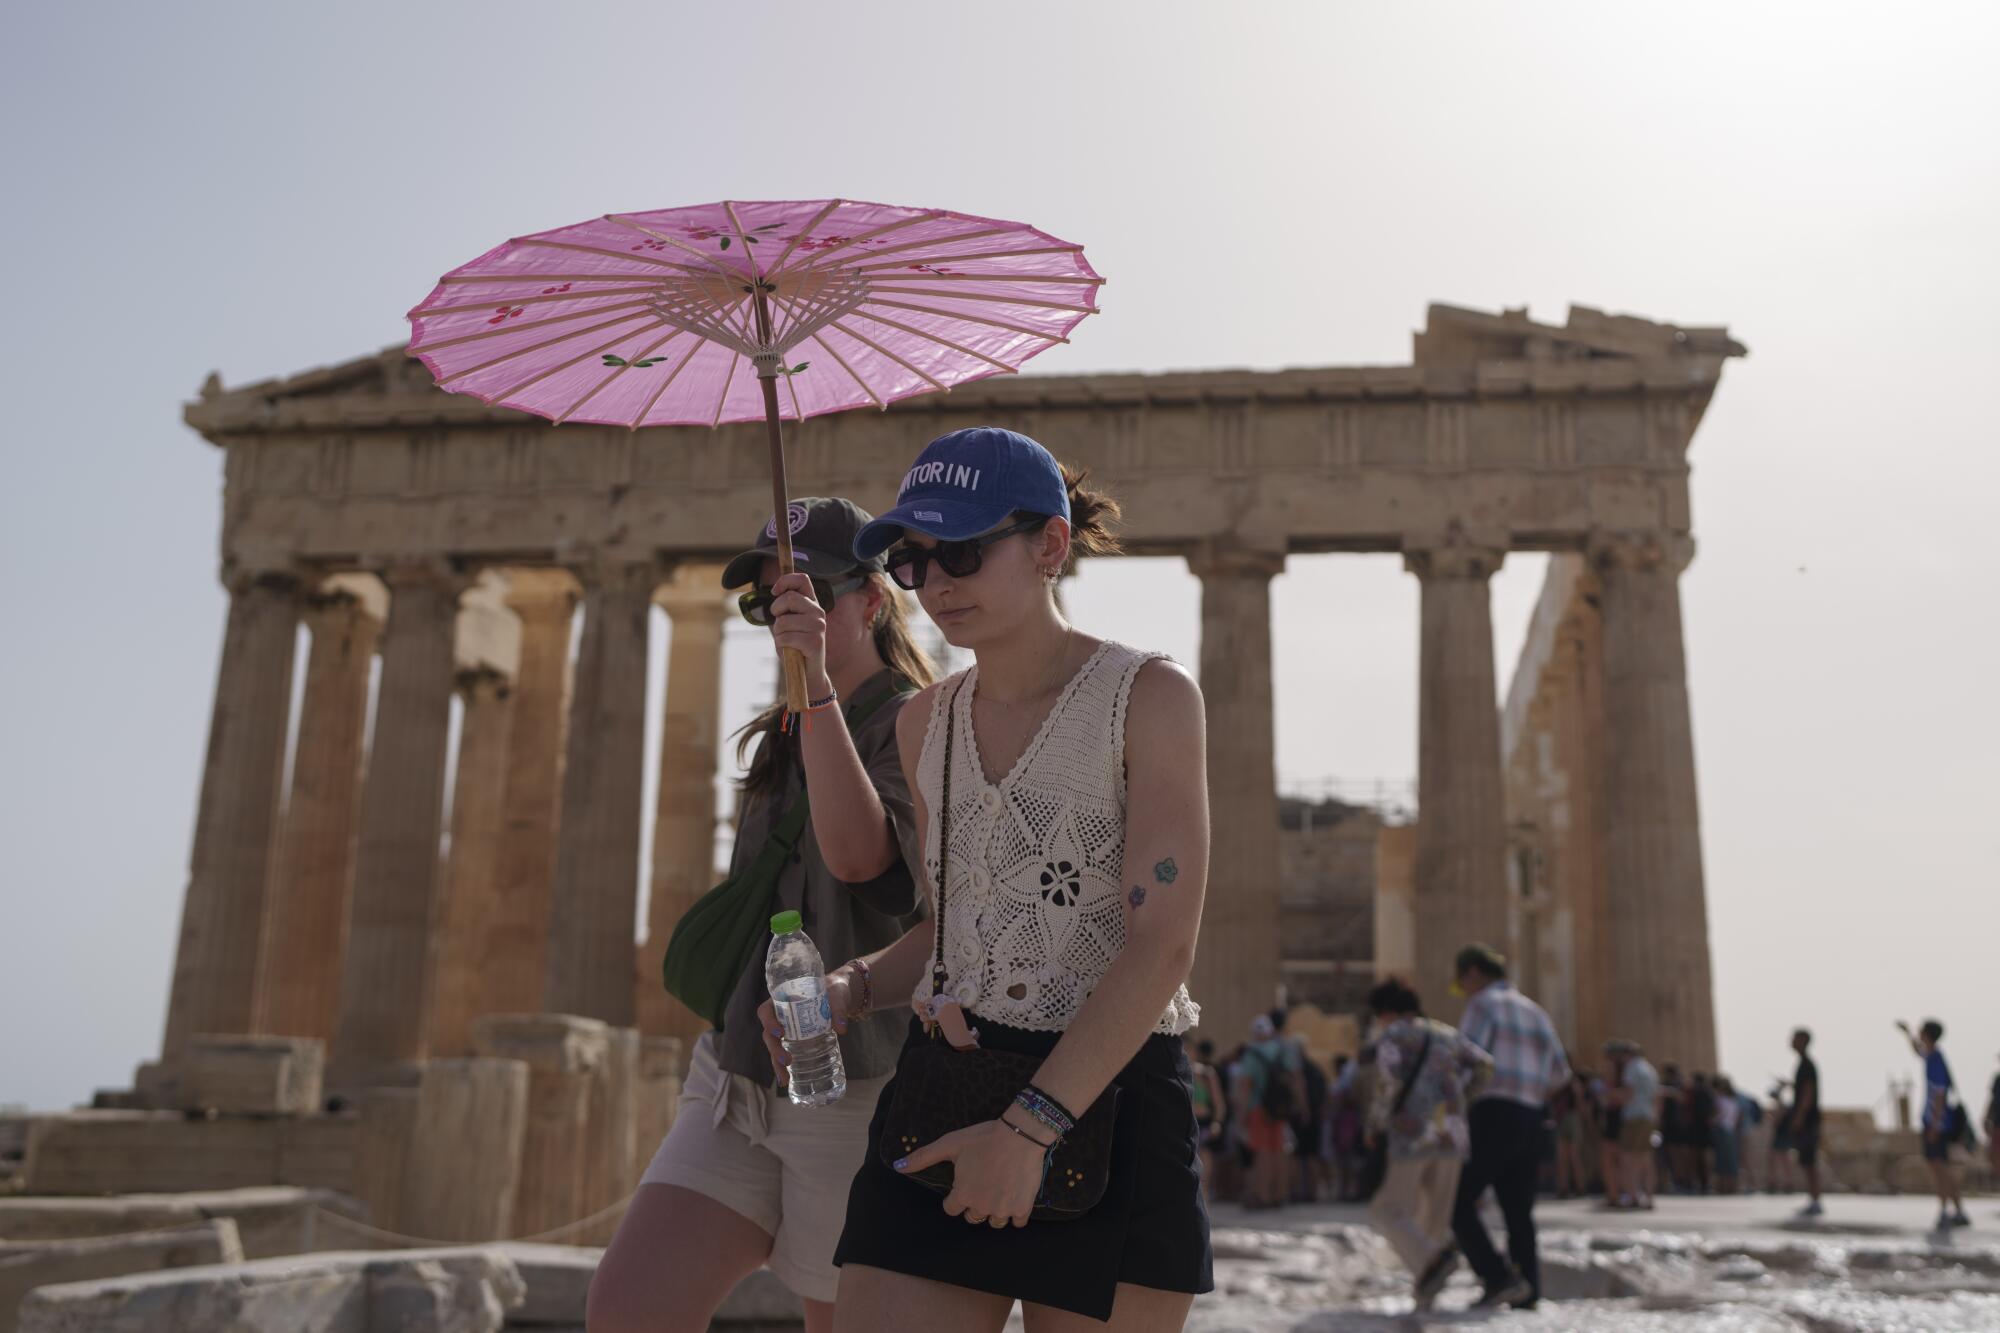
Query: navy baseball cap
{"points": [[967, 483]]}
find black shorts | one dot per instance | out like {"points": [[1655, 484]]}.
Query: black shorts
{"points": [[1937, 1148], [1150, 1230], [1805, 1143]]}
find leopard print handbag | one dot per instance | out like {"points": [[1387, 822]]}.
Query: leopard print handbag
{"points": [[939, 1089]]}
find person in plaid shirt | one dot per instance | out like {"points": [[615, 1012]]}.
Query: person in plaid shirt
{"points": [[1528, 1067]]}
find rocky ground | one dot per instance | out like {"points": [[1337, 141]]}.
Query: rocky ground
{"points": [[1735, 1266]]}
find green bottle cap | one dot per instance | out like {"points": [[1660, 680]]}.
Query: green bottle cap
{"points": [[784, 923]]}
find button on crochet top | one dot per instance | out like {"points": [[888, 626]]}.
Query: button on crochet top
{"points": [[1033, 907]]}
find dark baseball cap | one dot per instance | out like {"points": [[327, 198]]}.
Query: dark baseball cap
{"points": [[823, 535], [967, 483]]}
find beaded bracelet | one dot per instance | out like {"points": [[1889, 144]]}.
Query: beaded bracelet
{"points": [[860, 966], [1045, 1109], [814, 705]]}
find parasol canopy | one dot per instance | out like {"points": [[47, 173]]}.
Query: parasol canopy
{"points": [[662, 318]]}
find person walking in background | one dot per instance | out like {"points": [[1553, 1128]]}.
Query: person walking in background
{"points": [[1273, 1088], [1802, 1121], [1571, 1115], [1426, 1072], [1610, 1117], [1993, 1127], [1635, 1092], [1941, 1127], [1209, 1110], [1780, 1169], [1727, 1135], [1347, 1112], [1506, 1124], [1698, 1132]]}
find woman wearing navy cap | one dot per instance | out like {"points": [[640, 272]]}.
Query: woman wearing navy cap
{"points": [[1076, 832]]}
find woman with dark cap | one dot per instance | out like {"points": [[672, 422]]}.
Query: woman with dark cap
{"points": [[745, 1179], [1061, 792]]}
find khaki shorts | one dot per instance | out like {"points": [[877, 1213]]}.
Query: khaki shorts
{"points": [[1635, 1135], [786, 1168]]}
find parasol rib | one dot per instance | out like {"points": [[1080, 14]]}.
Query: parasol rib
{"points": [[932, 337], [743, 237], [551, 322], [623, 256], [558, 368], [487, 305], [841, 361], [866, 341], [459, 279], [711, 262], [608, 380], [818, 256], [988, 296], [960, 259], [723, 401], [970, 319], [535, 347], [802, 233], [928, 243], [647, 406]]}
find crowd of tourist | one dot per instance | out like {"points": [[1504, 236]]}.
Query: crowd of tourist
{"points": [[1497, 1104]]}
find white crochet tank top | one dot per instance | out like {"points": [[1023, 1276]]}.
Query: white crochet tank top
{"points": [[1034, 908]]}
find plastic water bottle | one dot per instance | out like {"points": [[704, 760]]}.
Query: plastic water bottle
{"points": [[797, 978]]}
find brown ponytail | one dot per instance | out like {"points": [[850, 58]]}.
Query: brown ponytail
{"points": [[1091, 514], [899, 652]]}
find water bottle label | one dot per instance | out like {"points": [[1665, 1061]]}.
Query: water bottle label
{"points": [[805, 1018]]}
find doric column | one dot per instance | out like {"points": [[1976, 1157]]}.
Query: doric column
{"points": [[1656, 904], [384, 989], [487, 654], [1236, 970], [591, 916], [305, 931], [222, 916], [544, 600], [684, 829], [1461, 870], [1576, 734], [470, 890]]}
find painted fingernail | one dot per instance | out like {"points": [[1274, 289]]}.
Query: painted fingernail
{"points": [[902, 1163]]}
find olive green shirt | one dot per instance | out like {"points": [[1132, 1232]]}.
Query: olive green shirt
{"points": [[843, 920]]}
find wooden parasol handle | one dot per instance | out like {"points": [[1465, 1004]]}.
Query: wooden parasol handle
{"points": [[790, 659]]}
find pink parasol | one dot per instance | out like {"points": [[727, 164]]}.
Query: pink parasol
{"points": [[744, 310]]}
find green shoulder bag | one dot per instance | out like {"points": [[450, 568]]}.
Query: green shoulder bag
{"points": [[714, 941]]}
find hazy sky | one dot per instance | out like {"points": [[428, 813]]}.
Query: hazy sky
{"points": [[262, 188]]}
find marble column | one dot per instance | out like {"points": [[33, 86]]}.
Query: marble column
{"points": [[222, 916], [684, 827], [470, 891], [1656, 903], [517, 931], [305, 931], [384, 985], [1236, 970], [1576, 734], [592, 914], [1461, 868]]}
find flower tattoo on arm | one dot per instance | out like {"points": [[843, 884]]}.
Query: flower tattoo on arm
{"points": [[1166, 872], [1137, 896]]}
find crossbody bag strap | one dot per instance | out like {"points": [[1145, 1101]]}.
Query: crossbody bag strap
{"points": [[938, 977], [1422, 1054]]}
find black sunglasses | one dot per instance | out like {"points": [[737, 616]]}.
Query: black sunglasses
{"points": [[909, 565], [756, 603]]}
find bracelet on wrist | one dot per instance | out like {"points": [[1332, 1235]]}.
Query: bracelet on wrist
{"points": [[1046, 1109], [859, 968], [1050, 1146]]}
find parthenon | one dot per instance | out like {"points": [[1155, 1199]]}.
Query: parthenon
{"points": [[456, 542]]}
